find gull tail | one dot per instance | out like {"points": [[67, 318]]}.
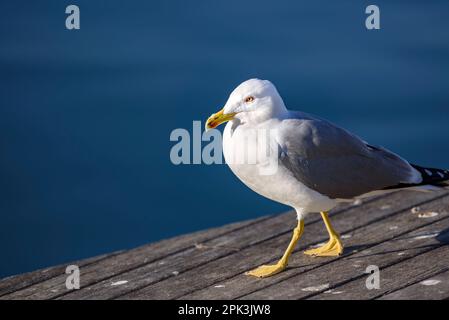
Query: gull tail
{"points": [[432, 179]]}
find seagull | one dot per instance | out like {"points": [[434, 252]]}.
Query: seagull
{"points": [[306, 162]]}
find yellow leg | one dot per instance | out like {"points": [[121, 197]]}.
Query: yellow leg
{"points": [[269, 270], [333, 247]]}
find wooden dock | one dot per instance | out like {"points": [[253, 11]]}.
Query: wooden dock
{"points": [[405, 234]]}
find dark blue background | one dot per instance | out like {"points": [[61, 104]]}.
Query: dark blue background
{"points": [[85, 116]]}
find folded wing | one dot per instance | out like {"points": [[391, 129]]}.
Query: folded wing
{"points": [[336, 163]]}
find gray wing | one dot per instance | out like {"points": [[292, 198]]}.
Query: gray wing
{"points": [[336, 163]]}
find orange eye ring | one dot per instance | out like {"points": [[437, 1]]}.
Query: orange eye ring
{"points": [[249, 99]]}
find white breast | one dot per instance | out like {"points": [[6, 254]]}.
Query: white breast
{"points": [[253, 156]]}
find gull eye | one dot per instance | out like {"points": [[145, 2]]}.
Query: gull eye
{"points": [[249, 99]]}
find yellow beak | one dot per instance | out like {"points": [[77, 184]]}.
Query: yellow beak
{"points": [[218, 118]]}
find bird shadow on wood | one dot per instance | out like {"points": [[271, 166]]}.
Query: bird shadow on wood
{"points": [[311, 262], [395, 251], [442, 237]]}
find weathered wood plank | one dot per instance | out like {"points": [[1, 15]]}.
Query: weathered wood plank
{"points": [[377, 240], [264, 252], [297, 276], [49, 283], [400, 254], [404, 274], [433, 288], [22, 281]]}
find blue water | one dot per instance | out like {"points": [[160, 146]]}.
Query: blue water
{"points": [[85, 116]]}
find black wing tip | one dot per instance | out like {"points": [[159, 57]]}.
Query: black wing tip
{"points": [[430, 176]]}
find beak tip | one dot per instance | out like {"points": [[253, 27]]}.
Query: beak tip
{"points": [[207, 126], [216, 119]]}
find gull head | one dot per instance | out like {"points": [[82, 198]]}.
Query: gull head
{"points": [[253, 101]]}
